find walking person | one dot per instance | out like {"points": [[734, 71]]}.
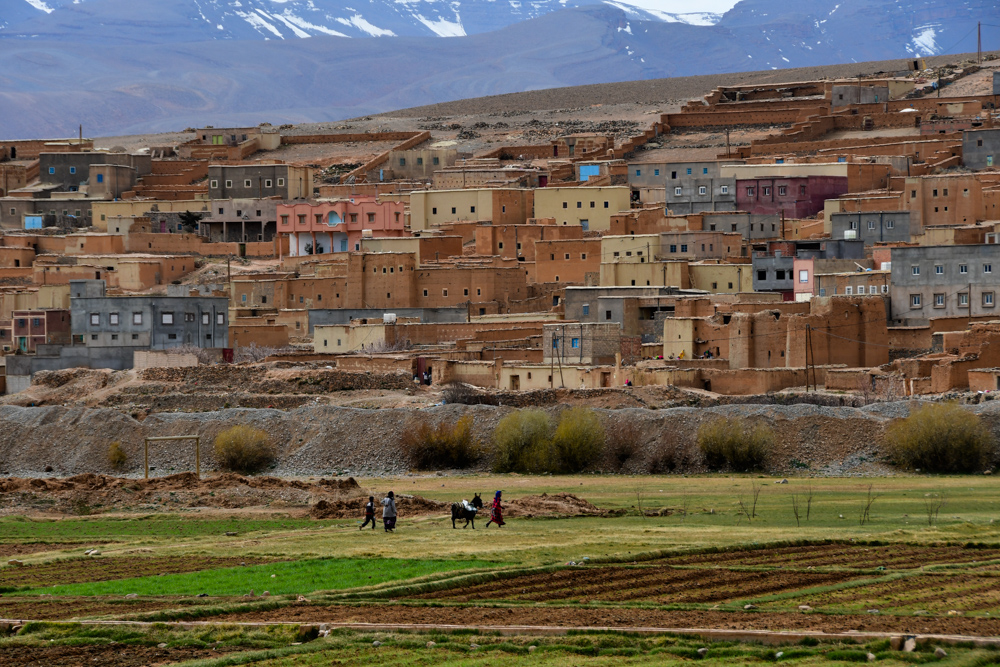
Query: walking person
{"points": [[496, 512], [389, 512], [369, 513]]}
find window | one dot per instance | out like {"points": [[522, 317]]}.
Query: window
{"points": [[638, 172], [135, 336], [847, 290], [656, 172], [689, 171], [684, 247], [93, 337], [52, 170], [420, 161], [854, 224], [704, 170], [677, 192], [95, 319], [565, 205], [247, 183], [114, 336], [281, 182], [434, 211], [172, 336], [938, 269], [229, 183], [803, 276], [167, 318], [871, 224], [963, 268], [592, 204], [782, 190], [889, 224], [724, 189], [779, 274], [914, 301], [802, 189], [673, 174], [988, 299], [284, 219], [750, 192], [453, 210], [963, 300], [579, 204], [189, 317], [100, 178], [673, 248], [607, 314], [934, 193], [575, 343], [205, 319], [113, 319], [915, 270], [402, 162], [583, 255], [605, 204], [766, 192], [702, 190], [436, 160], [586, 309], [425, 292], [987, 268], [267, 184], [444, 292], [762, 274], [885, 289]]}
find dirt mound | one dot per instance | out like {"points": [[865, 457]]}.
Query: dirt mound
{"points": [[558, 504], [354, 508], [82, 494]]}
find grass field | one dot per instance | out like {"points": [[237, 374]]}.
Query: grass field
{"points": [[924, 558]]}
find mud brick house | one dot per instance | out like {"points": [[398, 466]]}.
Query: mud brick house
{"points": [[581, 143], [944, 281], [31, 328], [70, 171], [502, 206], [588, 207], [418, 164], [793, 197], [338, 226], [258, 180], [589, 343]]}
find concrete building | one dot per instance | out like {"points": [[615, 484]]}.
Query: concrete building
{"points": [[432, 208], [872, 226], [258, 181], [752, 227], [689, 187], [793, 197], [71, 171], [774, 269], [981, 148], [944, 281], [239, 220], [31, 328], [589, 207], [589, 343], [146, 322], [418, 164], [338, 226]]}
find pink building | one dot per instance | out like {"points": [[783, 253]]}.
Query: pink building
{"points": [[337, 226], [796, 197]]}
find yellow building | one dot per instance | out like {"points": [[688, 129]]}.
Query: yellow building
{"points": [[720, 278], [132, 208], [338, 338], [643, 274], [590, 207]]}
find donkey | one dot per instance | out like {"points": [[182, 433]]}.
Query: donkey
{"points": [[467, 511]]}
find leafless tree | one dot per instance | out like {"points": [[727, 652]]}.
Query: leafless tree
{"points": [[256, 353], [864, 515], [748, 507], [640, 498], [795, 509], [809, 501], [933, 502]]}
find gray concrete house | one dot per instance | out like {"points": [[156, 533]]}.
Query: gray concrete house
{"points": [[690, 187], [872, 226], [944, 281], [981, 149], [72, 170], [240, 220], [258, 181]]}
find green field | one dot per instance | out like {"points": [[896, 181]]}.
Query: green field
{"points": [[428, 567]]}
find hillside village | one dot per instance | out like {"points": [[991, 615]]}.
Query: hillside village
{"points": [[829, 235]]}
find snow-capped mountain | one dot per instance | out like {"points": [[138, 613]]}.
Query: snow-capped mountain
{"points": [[120, 66], [197, 20]]}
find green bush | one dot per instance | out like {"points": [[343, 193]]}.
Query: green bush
{"points": [[441, 446], [244, 449], [117, 456], [941, 437], [525, 441], [522, 442], [735, 444], [578, 440]]}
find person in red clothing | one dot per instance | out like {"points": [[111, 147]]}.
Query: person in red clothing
{"points": [[496, 513]]}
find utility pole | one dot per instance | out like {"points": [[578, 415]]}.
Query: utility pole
{"points": [[979, 43], [805, 344], [727, 142]]}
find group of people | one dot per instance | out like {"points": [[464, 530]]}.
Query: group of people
{"points": [[389, 512]]}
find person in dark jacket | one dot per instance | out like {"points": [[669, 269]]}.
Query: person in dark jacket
{"points": [[389, 512], [496, 512], [369, 513]]}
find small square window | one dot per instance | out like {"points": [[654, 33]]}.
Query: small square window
{"points": [[113, 318], [963, 268], [229, 183], [167, 318], [135, 336], [988, 299], [586, 309], [915, 301], [915, 270], [95, 319], [987, 268], [724, 189], [938, 269], [205, 319]]}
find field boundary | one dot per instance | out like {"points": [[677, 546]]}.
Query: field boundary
{"points": [[760, 636]]}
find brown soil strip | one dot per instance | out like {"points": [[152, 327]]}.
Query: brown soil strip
{"points": [[656, 584], [103, 654], [892, 557], [81, 570], [935, 593], [624, 618], [13, 550], [62, 609]]}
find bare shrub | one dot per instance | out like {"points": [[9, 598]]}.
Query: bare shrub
{"points": [[735, 444], [865, 515], [117, 457], [253, 352], [441, 446], [941, 438], [621, 443], [244, 449], [204, 355], [460, 393]]}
